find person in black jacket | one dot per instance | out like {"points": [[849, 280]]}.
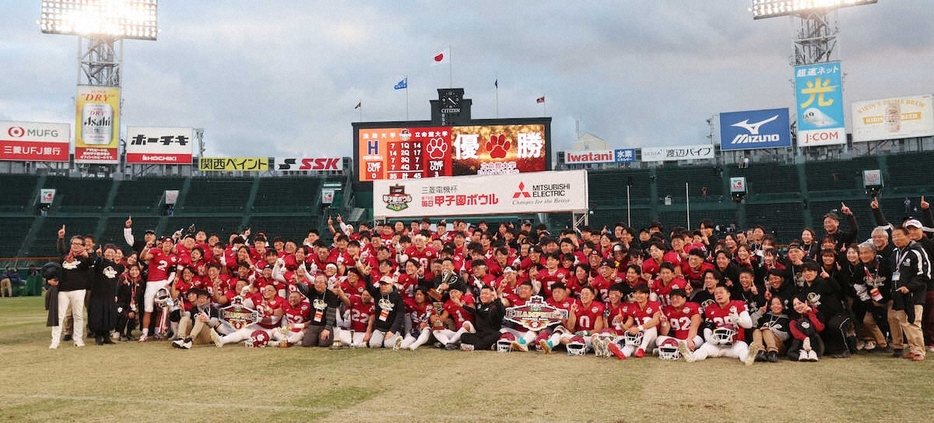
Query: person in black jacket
{"points": [[129, 296], [488, 319], [825, 297], [102, 307], [72, 287], [324, 305], [197, 322], [911, 271], [872, 288], [387, 328]]}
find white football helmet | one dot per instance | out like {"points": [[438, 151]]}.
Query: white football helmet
{"points": [[577, 346], [504, 343], [723, 335], [258, 339], [668, 349], [163, 298], [633, 340]]}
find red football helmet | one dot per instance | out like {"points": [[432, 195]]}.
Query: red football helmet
{"points": [[258, 339], [668, 349]]}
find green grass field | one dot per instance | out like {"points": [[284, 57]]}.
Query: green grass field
{"points": [[154, 382]]}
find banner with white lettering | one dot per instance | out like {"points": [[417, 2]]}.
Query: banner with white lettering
{"points": [[536, 192], [147, 145], [684, 152], [754, 129], [34, 141], [313, 164]]}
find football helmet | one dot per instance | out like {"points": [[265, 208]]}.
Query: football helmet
{"points": [[723, 335], [504, 344], [668, 349], [633, 340], [577, 346], [163, 299], [258, 339]]}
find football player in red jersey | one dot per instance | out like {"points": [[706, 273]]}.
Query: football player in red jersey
{"points": [[359, 315], [296, 311], [642, 317], [550, 275], [590, 320], [692, 269], [418, 312], [680, 320], [270, 311], [667, 281], [727, 318], [420, 251], [548, 339], [454, 309], [162, 271]]}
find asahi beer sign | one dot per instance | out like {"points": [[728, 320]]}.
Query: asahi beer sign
{"points": [[97, 127]]}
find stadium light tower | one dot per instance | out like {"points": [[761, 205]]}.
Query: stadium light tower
{"points": [[816, 36], [101, 26]]}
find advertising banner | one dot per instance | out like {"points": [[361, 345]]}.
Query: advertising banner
{"points": [[97, 124], [685, 152], [819, 93], [233, 164], [159, 145], [409, 153], [892, 118], [754, 129], [620, 155], [314, 164], [34, 141], [538, 192]]}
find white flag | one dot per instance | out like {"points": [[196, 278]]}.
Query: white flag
{"points": [[441, 58]]}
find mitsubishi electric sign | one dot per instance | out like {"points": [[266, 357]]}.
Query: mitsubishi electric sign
{"points": [[754, 129]]}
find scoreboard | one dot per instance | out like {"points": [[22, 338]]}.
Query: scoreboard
{"points": [[412, 152]]}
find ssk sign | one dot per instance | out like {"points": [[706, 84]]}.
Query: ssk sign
{"points": [[314, 164], [159, 145], [754, 129]]}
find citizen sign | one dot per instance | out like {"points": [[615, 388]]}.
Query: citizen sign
{"points": [[314, 164]]}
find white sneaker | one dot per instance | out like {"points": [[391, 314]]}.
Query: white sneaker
{"points": [[178, 343], [53, 346], [803, 355], [466, 347], [397, 343], [812, 355], [413, 347], [143, 338], [596, 342]]}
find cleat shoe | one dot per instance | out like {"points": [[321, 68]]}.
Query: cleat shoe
{"points": [[466, 347], [143, 338], [397, 343], [518, 346], [596, 342], [639, 353], [754, 353], [615, 349], [685, 352], [545, 346], [336, 345], [215, 338], [67, 338], [53, 346], [439, 345], [452, 346]]}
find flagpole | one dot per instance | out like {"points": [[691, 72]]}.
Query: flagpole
{"points": [[451, 67], [406, 97], [360, 111], [544, 108]]}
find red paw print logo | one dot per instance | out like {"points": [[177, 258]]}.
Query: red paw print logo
{"points": [[497, 146], [436, 148]]}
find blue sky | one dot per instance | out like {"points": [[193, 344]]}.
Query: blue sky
{"points": [[277, 78]]}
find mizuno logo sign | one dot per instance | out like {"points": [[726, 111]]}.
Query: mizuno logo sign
{"points": [[753, 128]]}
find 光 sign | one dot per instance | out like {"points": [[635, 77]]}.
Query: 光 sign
{"points": [[754, 129]]}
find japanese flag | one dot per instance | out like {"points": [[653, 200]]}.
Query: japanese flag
{"points": [[441, 58]]}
